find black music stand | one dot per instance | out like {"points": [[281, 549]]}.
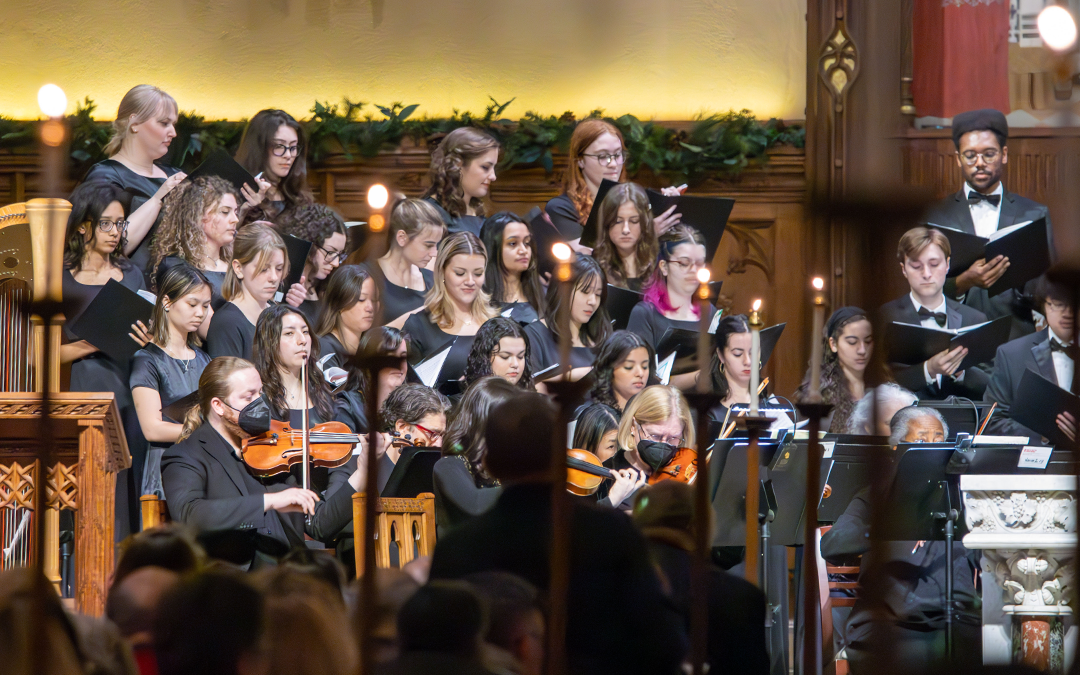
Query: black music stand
{"points": [[850, 471], [412, 474]]}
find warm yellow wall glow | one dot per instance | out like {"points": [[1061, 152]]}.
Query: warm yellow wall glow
{"points": [[663, 59]]}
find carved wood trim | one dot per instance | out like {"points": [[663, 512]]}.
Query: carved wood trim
{"points": [[62, 487], [17, 483]]}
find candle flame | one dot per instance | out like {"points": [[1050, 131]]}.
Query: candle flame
{"points": [[818, 283], [757, 305], [561, 251], [377, 196], [703, 275], [52, 100]]}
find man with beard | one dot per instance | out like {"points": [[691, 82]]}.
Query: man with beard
{"points": [[983, 206], [242, 518]]}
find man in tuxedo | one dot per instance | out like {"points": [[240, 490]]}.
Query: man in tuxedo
{"points": [[1050, 353], [618, 619], [983, 206], [923, 253], [208, 486]]}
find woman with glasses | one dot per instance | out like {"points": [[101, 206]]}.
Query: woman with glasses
{"points": [[93, 256], [653, 426], [274, 150], [597, 152], [144, 127], [628, 246], [669, 295], [198, 228], [324, 228], [462, 171]]}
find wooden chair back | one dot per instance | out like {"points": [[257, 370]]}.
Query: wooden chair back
{"points": [[833, 666], [408, 524], [155, 512]]}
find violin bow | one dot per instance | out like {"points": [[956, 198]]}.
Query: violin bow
{"points": [[305, 434]]}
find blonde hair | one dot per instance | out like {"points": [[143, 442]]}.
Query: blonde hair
{"points": [[438, 301], [213, 383], [656, 405], [411, 216], [254, 242], [142, 102], [181, 233]]}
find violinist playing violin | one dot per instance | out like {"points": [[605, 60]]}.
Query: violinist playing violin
{"points": [[655, 425], [208, 485]]}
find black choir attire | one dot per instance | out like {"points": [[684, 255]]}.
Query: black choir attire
{"points": [[98, 372], [216, 279], [230, 333], [172, 379], [915, 378], [912, 590], [138, 190], [565, 217], [459, 495], [396, 300], [1053, 360], [334, 354], [647, 321], [455, 224], [522, 312], [544, 349], [210, 488], [425, 336], [978, 215], [619, 621]]}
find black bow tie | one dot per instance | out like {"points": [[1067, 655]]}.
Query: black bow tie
{"points": [[976, 197], [940, 317], [1067, 350]]}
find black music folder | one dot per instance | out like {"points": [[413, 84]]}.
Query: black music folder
{"points": [[545, 235], [412, 474], [446, 364], [1037, 404], [707, 215], [620, 302], [914, 343], [222, 165], [682, 345], [590, 236], [108, 318], [298, 251], [1025, 245], [769, 337]]}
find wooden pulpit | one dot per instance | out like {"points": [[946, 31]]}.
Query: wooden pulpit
{"points": [[88, 450]]}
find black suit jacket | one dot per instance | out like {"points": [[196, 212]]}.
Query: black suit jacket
{"points": [[955, 212], [619, 620], [911, 377], [207, 487], [1030, 352]]}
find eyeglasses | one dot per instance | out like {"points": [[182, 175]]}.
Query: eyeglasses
{"points": [[687, 264], [971, 157], [108, 225], [279, 150], [432, 434], [1057, 305], [606, 159], [670, 440], [334, 255]]}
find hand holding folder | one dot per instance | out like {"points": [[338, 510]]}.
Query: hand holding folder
{"points": [[1026, 245], [1046, 408], [911, 344], [111, 321]]}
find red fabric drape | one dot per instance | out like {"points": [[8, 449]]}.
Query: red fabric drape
{"points": [[961, 56]]}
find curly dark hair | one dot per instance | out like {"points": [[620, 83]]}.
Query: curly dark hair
{"points": [[88, 201], [584, 272], [311, 222], [491, 233], [266, 354], [486, 345], [613, 352], [457, 149], [728, 326], [180, 233], [834, 385], [411, 403], [464, 435]]}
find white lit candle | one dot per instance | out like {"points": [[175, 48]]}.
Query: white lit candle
{"points": [[815, 339], [703, 360], [755, 355]]}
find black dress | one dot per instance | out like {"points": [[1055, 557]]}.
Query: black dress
{"points": [[138, 190], [425, 337], [398, 300], [230, 333], [332, 353], [455, 224], [172, 379], [98, 372], [522, 312], [647, 321], [544, 350], [459, 495], [216, 279], [565, 217]]}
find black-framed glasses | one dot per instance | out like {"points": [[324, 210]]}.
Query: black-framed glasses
{"points": [[606, 159], [334, 255], [279, 150], [106, 225], [971, 158]]}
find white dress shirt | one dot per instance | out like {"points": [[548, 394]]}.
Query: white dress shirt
{"points": [[930, 322], [1063, 365], [984, 214]]}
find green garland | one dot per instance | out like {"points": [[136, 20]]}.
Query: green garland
{"points": [[717, 145]]}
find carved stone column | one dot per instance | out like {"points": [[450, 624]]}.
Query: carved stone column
{"points": [[1026, 529]]}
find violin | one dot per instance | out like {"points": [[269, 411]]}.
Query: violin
{"points": [[330, 445], [682, 467], [584, 472]]}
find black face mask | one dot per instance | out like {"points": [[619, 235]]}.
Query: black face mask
{"points": [[254, 417], [655, 453]]}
